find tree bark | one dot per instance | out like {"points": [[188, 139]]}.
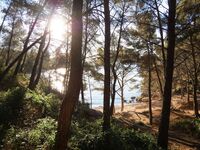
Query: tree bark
{"points": [[106, 102], [72, 94], [195, 81], [149, 84], [165, 115]]}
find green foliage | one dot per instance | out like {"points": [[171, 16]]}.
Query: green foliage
{"points": [[191, 127], [10, 104], [40, 136], [89, 136], [48, 104]]}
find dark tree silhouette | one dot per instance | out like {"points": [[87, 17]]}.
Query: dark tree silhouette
{"points": [[164, 123]]}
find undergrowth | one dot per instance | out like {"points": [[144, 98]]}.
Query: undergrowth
{"points": [[188, 126]]}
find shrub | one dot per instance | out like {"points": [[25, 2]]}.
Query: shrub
{"points": [[187, 126], [89, 136], [41, 135], [48, 104], [10, 104]]}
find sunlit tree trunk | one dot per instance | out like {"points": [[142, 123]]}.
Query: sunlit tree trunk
{"points": [[72, 94], [165, 114]]}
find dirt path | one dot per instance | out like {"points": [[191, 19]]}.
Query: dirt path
{"points": [[136, 116]]}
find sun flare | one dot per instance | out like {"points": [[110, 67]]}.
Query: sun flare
{"points": [[58, 28]]}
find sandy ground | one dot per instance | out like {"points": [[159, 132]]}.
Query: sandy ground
{"points": [[139, 113]]}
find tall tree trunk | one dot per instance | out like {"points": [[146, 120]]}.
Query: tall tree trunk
{"points": [[165, 115], [122, 93], [85, 49], [188, 88], [106, 101], [90, 90], [41, 64], [149, 83], [195, 81], [114, 64], [72, 94]]}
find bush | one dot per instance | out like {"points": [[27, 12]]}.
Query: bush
{"points": [[89, 136], [10, 104], [41, 135], [48, 105], [187, 126]]}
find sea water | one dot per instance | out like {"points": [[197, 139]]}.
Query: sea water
{"points": [[93, 93]]}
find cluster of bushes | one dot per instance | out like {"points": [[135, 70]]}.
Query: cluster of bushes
{"points": [[20, 112], [30, 117], [188, 126], [40, 136], [89, 136], [10, 104], [47, 105], [84, 136]]}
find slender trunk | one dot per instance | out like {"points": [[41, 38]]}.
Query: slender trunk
{"points": [[195, 81], [10, 40], [72, 94], [41, 64], [18, 67], [66, 77], [149, 84], [188, 89], [23, 63], [82, 92], [159, 80], [85, 48], [90, 90], [161, 35], [4, 73], [36, 63], [106, 102], [114, 64], [122, 94], [165, 114]]}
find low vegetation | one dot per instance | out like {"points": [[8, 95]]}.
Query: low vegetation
{"points": [[188, 126], [28, 121]]}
